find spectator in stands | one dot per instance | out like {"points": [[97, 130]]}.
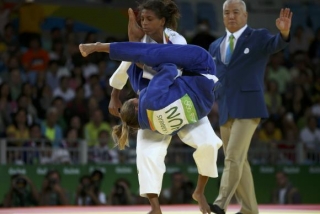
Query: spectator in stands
{"points": [[15, 83], [4, 15], [103, 152], [89, 190], [270, 132], [301, 69], [285, 192], [50, 129], [35, 143], [299, 41], [289, 128], [103, 100], [18, 131], [64, 90], [314, 48], [300, 102], [77, 79], [38, 80], [57, 51], [43, 101], [35, 59], [315, 109], [60, 105], [180, 192], [14, 157], [121, 193], [30, 92], [273, 99], [303, 120], [52, 78], [12, 62], [69, 35], [25, 102], [103, 73], [284, 151], [90, 69], [52, 194], [22, 193], [75, 123], [203, 37], [46, 153], [310, 136], [67, 153], [78, 105], [5, 108], [31, 16], [85, 195], [278, 72], [82, 194], [94, 126], [73, 55], [92, 80], [9, 40], [55, 34], [92, 106]]}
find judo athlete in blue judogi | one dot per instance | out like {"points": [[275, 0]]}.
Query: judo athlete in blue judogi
{"points": [[176, 100]]}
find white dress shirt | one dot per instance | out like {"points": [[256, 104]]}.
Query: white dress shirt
{"points": [[225, 43]]}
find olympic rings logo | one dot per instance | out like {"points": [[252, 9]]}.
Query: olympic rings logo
{"points": [[188, 105]]}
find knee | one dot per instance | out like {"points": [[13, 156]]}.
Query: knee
{"points": [[151, 155], [235, 157], [210, 146], [233, 163]]}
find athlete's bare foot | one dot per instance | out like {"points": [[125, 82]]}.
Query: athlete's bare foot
{"points": [[202, 202], [86, 49], [154, 202], [155, 212], [135, 32]]}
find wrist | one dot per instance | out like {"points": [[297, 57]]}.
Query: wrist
{"points": [[115, 93], [285, 34]]}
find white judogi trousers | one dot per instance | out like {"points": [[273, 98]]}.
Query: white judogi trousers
{"points": [[152, 149]]}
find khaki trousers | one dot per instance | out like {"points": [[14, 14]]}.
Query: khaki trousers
{"points": [[237, 179]]}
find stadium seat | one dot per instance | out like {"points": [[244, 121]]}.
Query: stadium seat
{"points": [[187, 21], [206, 10]]}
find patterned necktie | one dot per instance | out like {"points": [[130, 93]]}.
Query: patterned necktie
{"points": [[229, 49]]}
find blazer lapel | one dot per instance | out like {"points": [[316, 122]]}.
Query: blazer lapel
{"points": [[241, 41], [219, 47]]}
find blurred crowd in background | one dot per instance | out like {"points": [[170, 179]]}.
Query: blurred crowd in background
{"points": [[52, 100]]}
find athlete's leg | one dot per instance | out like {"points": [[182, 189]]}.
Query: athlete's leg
{"points": [[202, 137], [189, 57], [151, 151]]}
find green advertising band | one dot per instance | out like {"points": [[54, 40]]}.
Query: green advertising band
{"points": [[264, 178]]}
